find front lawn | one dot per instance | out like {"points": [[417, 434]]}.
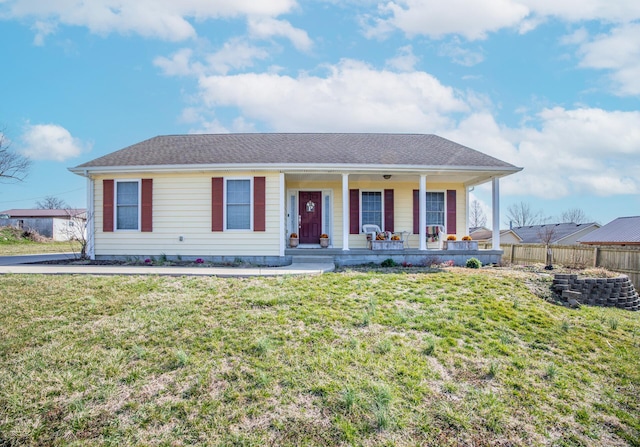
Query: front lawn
{"points": [[458, 357]]}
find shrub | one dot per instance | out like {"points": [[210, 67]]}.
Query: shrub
{"points": [[474, 263], [451, 237], [466, 238], [324, 236], [388, 263]]}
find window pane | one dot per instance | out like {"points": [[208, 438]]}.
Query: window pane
{"points": [[127, 193], [372, 208], [435, 208], [238, 204], [127, 206]]}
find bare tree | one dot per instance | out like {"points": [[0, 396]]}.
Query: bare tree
{"points": [[51, 203], [78, 231], [13, 166], [521, 215], [477, 218], [546, 234], [574, 215]]}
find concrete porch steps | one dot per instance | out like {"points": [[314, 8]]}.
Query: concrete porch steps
{"points": [[312, 259]]}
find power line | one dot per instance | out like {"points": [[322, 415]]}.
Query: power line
{"points": [[42, 197]]}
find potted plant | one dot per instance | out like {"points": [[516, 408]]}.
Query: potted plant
{"points": [[293, 240], [324, 240]]}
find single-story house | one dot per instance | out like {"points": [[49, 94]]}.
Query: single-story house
{"points": [[231, 196], [57, 224], [558, 233], [621, 231], [482, 234]]}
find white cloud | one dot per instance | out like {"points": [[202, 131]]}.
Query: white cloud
{"points": [[404, 60], [51, 142], [352, 97], [618, 52], [581, 151], [619, 11], [178, 64], [164, 19], [460, 55], [234, 55], [267, 27], [472, 19]]}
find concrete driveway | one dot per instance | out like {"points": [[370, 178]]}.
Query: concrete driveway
{"points": [[29, 259]]}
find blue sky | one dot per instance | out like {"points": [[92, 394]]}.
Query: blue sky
{"points": [[551, 86]]}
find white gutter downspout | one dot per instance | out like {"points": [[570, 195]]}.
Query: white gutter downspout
{"points": [[90, 219]]}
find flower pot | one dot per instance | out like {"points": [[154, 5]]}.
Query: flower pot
{"points": [[324, 242], [293, 242]]}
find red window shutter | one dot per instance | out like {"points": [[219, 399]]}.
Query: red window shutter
{"points": [[388, 210], [259, 204], [146, 214], [416, 211], [107, 205], [217, 204], [354, 211], [451, 211]]}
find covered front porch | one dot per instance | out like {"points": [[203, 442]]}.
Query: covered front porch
{"points": [[413, 256], [405, 203]]}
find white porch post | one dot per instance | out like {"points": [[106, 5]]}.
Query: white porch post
{"points": [[345, 212], [495, 204], [468, 208], [91, 215], [422, 219], [283, 220]]}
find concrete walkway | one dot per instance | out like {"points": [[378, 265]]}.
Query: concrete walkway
{"points": [[19, 265]]}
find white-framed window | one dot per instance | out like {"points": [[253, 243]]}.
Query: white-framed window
{"points": [[238, 207], [436, 210], [127, 206], [371, 208]]}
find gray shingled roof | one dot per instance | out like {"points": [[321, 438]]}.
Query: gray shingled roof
{"points": [[36, 213], [623, 230], [531, 234], [299, 148]]}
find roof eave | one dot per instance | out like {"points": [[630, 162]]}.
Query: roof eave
{"points": [[490, 171]]}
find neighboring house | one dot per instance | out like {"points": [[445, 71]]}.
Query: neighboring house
{"points": [[482, 234], [59, 225], [242, 195], [622, 231], [559, 234]]}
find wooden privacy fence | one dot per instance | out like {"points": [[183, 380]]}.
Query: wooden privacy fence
{"points": [[618, 259]]}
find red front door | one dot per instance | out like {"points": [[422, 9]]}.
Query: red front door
{"points": [[310, 212]]}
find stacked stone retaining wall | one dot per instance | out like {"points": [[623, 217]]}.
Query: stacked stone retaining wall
{"points": [[611, 292]]}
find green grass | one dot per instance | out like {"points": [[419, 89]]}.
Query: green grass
{"points": [[12, 243], [444, 359]]}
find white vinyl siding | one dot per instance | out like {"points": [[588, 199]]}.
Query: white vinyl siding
{"points": [[127, 206], [182, 207]]}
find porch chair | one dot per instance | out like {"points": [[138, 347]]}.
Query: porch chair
{"points": [[371, 231], [435, 233]]}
